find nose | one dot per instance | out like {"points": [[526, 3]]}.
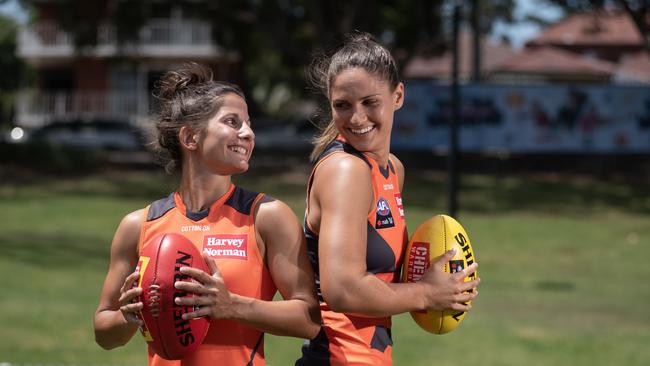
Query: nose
{"points": [[246, 132], [359, 116]]}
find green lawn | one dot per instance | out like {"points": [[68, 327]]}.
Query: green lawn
{"points": [[562, 262]]}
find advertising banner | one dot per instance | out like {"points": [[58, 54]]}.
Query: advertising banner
{"points": [[526, 119]]}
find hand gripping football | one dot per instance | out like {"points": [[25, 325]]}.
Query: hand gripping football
{"points": [[432, 239], [164, 329]]}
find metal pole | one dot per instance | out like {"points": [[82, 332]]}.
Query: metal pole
{"points": [[455, 120]]}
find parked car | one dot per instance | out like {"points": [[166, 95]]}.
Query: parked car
{"points": [[100, 134]]}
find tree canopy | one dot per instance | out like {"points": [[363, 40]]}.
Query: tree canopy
{"points": [[9, 63], [276, 39], [11, 67]]}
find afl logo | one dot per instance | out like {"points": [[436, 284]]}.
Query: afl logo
{"points": [[382, 207]]}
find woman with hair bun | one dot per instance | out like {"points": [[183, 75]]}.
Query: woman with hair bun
{"points": [[204, 132], [354, 222]]}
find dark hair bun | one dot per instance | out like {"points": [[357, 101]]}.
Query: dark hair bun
{"points": [[174, 82], [361, 37]]}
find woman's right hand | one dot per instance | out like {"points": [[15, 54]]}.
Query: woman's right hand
{"points": [[449, 291], [129, 306]]}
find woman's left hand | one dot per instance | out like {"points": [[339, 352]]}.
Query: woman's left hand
{"points": [[211, 297]]}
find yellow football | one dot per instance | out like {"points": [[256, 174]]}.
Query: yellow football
{"points": [[432, 239]]}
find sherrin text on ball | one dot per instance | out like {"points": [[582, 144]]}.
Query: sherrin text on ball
{"points": [[167, 333], [432, 239]]}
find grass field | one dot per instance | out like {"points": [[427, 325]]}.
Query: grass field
{"points": [[562, 262]]}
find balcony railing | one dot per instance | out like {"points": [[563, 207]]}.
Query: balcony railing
{"points": [[157, 37], [35, 109]]}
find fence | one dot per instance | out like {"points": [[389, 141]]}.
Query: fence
{"points": [[38, 108]]}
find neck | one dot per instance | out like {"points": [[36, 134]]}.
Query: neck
{"points": [[381, 159], [381, 155], [200, 190]]}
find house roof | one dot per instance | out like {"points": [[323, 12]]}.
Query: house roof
{"points": [[593, 28], [635, 67], [550, 56], [494, 53], [554, 61]]}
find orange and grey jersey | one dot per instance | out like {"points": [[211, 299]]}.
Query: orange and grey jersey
{"points": [[226, 232], [346, 339]]}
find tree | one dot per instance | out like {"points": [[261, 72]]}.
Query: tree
{"points": [[10, 65], [277, 39]]}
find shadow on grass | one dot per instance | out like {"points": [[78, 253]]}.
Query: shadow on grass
{"points": [[424, 188], [55, 251], [515, 193], [143, 184], [281, 179]]}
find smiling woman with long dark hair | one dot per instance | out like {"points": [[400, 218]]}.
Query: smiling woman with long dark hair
{"points": [[355, 222]]}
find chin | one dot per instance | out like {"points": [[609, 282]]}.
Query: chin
{"points": [[233, 169], [360, 144], [241, 168]]}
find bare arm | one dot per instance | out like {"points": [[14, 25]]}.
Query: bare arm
{"points": [[298, 314], [286, 252], [342, 190], [115, 321]]}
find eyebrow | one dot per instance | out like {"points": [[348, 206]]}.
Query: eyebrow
{"points": [[362, 98], [231, 115]]}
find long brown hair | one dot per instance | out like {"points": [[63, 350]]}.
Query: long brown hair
{"points": [[187, 96], [362, 50]]}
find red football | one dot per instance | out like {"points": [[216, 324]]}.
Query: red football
{"points": [[164, 329]]}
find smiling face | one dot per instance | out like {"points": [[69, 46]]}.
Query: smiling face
{"points": [[226, 143], [363, 105]]}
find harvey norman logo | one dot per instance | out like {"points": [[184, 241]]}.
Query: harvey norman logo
{"points": [[226, 246]]}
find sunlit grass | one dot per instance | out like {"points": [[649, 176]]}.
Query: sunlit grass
{"points": [[562, 264]]}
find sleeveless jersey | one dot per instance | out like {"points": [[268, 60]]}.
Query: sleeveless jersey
{"points": [[226, 231], [347, 339]]}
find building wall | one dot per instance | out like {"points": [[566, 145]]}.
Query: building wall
{"points": [[91, 74]]}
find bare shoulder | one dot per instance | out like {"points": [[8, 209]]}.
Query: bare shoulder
{"points": [[275, 219], [277, 226], [127, 234], [342, 185], [132, 221], [343, 168], [272, 211]]}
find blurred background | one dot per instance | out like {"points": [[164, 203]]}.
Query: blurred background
{"points": [[549, 174]]}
